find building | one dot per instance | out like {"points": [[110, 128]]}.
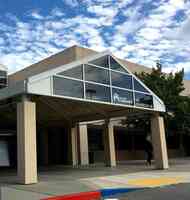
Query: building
{"points": [[68, 109]]}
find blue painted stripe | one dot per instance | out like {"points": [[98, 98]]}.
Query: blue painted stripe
{"points": [[113, 191]]}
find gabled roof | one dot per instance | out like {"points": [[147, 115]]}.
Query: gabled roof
{"points": [[72, 54], [69, 55], [39, 80]]}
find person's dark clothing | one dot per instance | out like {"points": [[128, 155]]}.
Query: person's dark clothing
{"points": [[149, 151]]}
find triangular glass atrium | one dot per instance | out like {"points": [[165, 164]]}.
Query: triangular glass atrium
{"points": [[100, 78]]}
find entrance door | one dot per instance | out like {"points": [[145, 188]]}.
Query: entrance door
{"points": [[95, 145], [4, 154], [58, 146]]}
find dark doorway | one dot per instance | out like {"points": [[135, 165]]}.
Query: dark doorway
{"points": [[95, 144], [58, 146]]}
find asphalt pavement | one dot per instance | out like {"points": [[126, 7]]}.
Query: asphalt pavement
{"points": [[173, 192]]}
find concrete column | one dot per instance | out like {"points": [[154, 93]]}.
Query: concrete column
{"points": [[83, 144], [109, 144], [73, 148], [159, 142], [26, 142]]}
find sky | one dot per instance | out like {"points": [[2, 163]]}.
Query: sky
{"points": [[141, 31]]}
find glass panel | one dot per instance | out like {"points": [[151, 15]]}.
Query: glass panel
{"points": [[96, 74], [67, 87], [122, 96], [3, 81], [3, 73], [121, 80], [139, 87], [116, 66], [75, 72], [143, 100], [102, 62], [97, 92]]}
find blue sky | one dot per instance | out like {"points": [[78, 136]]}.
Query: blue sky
{"points": [[137, 30]]}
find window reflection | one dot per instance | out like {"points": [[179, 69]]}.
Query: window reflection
{"points": [[139, 87], [102, 62], [3, 73], [121, 80], [122, 96], [67, 87], [96, 74], [75, 72], [116, 66], [3, 81], [143, 100], [97, 92]]}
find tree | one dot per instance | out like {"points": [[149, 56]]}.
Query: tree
{"points": [[169, 87], [166, 86]]}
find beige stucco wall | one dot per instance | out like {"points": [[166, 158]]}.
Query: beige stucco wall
{"points": [[68, 55], [186, 92], [64, 57]]}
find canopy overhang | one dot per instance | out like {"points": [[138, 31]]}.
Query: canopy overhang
{"points": [[54, 110], [40, 88]]}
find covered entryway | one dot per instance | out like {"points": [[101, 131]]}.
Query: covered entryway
{"points": [[52, 111], [76, 151]]}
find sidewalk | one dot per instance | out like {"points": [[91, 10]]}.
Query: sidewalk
{"points": [[60, 180]]}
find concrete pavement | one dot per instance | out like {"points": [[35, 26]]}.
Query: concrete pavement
{"points": [[61, 180]]}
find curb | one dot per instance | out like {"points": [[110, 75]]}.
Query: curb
{"points": [[115, 191], [94, 195]]}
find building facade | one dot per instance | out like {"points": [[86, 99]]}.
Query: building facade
{"points": [[76, 108]]}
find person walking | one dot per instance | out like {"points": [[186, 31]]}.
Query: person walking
{"points": [[149, 152]]}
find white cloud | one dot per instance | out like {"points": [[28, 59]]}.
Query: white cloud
{"points": [[35, 14], [19, 61], [2, 41], [178, 67], [118, 3], [72, 3], [150, 33], [183, 32], [139, 37], [57, 25], [129, 48], [57, 12], [105, 14]]}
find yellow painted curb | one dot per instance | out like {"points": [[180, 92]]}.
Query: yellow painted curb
{"points": [[154, 182]]}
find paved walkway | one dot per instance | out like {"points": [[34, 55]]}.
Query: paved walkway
{"points": [[60, 180], [173, 192]]}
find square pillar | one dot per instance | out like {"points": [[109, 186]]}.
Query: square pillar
{"points": [[83, 144], [26, 142], [159, 142], [73, 148], [109, 144]]}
